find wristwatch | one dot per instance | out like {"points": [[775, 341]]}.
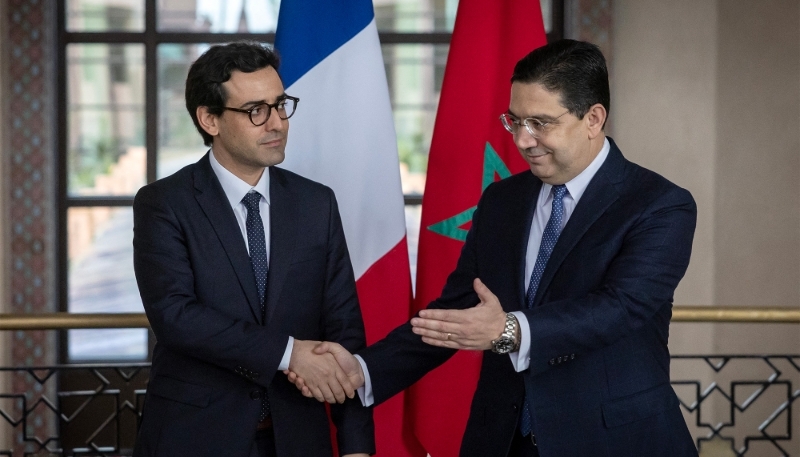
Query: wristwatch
{"points": [[509, 339]]}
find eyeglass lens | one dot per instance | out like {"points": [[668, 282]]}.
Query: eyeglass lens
{"points": [[285, 108], [533, 126]]}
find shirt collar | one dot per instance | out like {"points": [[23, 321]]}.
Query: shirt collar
{"points": [[235, 189], [577, 185]]}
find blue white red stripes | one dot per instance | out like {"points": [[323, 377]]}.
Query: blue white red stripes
{"points": [[342, 135]]}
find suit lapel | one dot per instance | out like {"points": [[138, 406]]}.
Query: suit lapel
{"points": [[598, 196], [283, 234], [212, 200], [527, 209]]}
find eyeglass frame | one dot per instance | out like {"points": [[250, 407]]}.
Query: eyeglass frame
{"points": [[524, 122], [270, 107]]}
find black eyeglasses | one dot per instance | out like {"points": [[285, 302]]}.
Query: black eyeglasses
{"points": [[259, 114]]}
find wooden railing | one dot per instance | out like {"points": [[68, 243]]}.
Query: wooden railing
{"points": [[707, 314]]}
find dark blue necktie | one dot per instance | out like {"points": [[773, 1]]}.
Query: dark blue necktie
{"points": [[258, 257], [549, 237]]}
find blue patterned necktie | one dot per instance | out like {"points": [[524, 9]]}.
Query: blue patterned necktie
{"points": [[256, 240], [549, 237]]}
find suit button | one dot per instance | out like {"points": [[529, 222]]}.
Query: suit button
{"points": [[572, 356], [552, 362], [255, 394]]}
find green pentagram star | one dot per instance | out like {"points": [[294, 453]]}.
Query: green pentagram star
{"points": [[452, 226]]}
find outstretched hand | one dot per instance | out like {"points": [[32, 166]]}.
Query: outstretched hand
{"points": [[472, 328], [320, 372], [346, 363]]}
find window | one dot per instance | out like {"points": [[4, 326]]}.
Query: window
{"points": [[123, 124]]}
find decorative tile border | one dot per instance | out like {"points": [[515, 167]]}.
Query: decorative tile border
{"points": [[590, 20], [29, 50]]}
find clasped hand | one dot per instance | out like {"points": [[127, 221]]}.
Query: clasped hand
{"points": [[325, 371]]}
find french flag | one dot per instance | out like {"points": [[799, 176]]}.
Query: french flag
{"points": [[343, 136]]}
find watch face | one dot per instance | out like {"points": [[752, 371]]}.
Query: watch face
{"points": [[504, 345]]}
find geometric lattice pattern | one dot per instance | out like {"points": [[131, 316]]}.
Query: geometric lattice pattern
{"points": [[97, 409], [734, 405], [740, 405]]}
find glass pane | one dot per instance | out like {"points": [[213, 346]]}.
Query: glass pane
{"points": [[105, 116], [179, 143], [101, 280], [414, 73], [230, 16], [430, 15], [547, 15], [415, 15], [105, 15]]}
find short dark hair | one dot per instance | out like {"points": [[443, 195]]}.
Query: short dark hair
{"points": [[574, 69], [214, 67]]}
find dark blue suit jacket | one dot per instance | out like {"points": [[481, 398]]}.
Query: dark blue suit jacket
{"points": [[214, 353], [598, 382]]}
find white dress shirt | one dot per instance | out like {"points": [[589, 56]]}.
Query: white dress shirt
{"points": [[235, 189]]}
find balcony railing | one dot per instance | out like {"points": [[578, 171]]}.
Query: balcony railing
{"points": [[55, 321], [735, 405]]}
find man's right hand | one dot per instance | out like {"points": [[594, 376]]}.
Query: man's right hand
{"points": [[320, 373], [347, 363]]}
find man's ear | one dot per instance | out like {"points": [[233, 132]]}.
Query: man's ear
{"points": [[595, 118], [209, 122]]}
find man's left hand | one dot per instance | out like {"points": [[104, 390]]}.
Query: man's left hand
{"points": [[473, 328]]}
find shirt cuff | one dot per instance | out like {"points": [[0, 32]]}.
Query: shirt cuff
{"points": [[287, 355], [521, 359], [365, 391]]}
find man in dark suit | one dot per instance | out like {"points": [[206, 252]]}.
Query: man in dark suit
{"points": [[241, 266], [583, 255]]}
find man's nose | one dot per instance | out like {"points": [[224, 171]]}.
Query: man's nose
{"points": [[524, 140], [274, 121]]}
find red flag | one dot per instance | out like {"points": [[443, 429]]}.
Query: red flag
{"points": [[469, 151]]}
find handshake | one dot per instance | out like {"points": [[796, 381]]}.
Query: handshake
{"points": [[328, 372], [324, 370]]}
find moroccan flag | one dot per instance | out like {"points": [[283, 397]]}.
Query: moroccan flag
{"points": [[469, 151], [343, 136]]}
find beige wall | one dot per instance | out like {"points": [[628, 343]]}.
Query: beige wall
{"points": [[707, 93], [662, 117], [758, 203]]}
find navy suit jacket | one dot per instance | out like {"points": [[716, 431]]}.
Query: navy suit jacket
{"points": [[598, 382], [214, 354]]}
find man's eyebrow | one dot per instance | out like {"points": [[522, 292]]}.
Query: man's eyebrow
{"points": [[252, 103], [544, 118]]}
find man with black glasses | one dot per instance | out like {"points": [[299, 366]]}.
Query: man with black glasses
{"points": [[241, 267], [572, 266]]}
